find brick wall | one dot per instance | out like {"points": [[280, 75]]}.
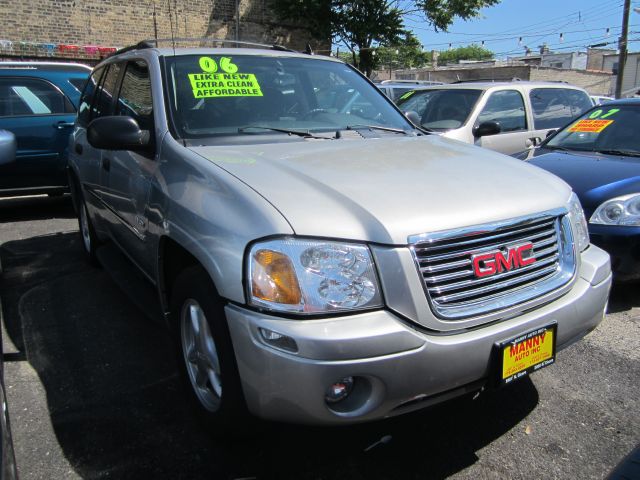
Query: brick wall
{"points": [[596, 83], [121, 23]]}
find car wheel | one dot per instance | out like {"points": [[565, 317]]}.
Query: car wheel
{"points": [[88, 236], [205, 352]]}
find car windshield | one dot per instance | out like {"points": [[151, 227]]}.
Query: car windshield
{"points": [[608, 129], [441, 109], [216, 95]]}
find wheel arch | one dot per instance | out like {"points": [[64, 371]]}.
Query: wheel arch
{"points": [[173, 258]]}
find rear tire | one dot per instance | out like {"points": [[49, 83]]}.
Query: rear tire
{"points": [[205, 353], [88, 237]]}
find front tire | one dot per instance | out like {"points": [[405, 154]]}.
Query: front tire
{"points": [[205, 352]]}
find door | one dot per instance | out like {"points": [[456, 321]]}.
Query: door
{"points": [[553, 108], [129, 173], [506, 107], [41, 117]]}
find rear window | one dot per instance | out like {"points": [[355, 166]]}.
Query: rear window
{"points": [[30, 96], [555, 107]]}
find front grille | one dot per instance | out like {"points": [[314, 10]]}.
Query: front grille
{"points": [[445, 261]]}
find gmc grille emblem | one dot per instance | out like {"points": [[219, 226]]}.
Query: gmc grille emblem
{"points": [[497, 261]]}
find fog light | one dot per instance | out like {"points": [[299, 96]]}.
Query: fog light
{"points": [[279, 340], [339, 390]]}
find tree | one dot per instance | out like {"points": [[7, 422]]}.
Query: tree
{"points": [[472, 52], [363, 25]]}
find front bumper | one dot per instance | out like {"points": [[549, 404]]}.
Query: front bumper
{"points": [[398, 366]]}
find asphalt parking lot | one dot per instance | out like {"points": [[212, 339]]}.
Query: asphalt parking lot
{"points": [[93, 391]]}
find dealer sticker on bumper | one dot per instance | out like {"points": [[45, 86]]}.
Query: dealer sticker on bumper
{"points": [[527, 353]]}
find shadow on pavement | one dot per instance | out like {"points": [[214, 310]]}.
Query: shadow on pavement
{"points": [[624, 296], [35, 208], [117, 409]]}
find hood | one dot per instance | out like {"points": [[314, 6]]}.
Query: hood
{"points": [[385, 189], [594, 177]]}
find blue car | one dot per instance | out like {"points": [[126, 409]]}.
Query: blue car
{"points": [[598, 154], [38, 104]]}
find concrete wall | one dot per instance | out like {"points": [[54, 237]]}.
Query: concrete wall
{"points": [[596, 83], [121, 23]]}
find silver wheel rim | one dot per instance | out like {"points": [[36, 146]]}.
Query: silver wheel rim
{"points": [[84, 228], [200, 356]]}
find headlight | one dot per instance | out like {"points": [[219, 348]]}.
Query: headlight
{"points": [[578, 223], [308, 276], [624, 210]]}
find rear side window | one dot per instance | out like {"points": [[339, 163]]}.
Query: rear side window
{"points": [[135, 95], [30, 96], [84, 110], [103, 103], [554, 107], [507, 108]]}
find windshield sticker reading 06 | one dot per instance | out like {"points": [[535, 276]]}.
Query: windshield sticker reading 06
{"points": [[227, 83]]}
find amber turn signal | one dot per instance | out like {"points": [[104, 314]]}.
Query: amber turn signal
{"points": [[274, 279]]}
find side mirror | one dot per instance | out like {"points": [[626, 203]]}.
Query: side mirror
{"points": [[413, 117], [118, 133], [8, 147], [486, 128]]}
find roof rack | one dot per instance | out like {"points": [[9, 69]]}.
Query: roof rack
{"points": [[155, 43], [489, 80]]}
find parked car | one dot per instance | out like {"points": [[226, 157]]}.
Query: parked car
{"points": [[38, 103], [394, 89], [8, 470], [319, 266], [599, 156], [503, 116], [599, 99]]}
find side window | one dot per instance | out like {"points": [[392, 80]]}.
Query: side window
{"points": [[102, 105], [30, 96], [135, 95], [507, 108], [84, 110], [554, 107]]}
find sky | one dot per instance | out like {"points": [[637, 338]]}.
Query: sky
{"points": [[512, 25]]}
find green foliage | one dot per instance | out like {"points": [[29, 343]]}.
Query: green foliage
{"points": [[472, 52], [407, 53], [363, 26]]}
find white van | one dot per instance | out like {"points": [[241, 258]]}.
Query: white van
{"points": [[504, 116]]}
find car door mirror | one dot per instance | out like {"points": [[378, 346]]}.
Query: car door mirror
{"points": [[7, 147], [487, 128], [413, 117], [118, 133]]}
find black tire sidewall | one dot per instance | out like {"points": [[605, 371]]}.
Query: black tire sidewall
{"points": [[194, 283]]}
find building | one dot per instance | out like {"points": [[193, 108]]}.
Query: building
{"points": [[631, 78], [91, 29]]}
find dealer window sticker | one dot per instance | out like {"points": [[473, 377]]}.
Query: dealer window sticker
{"points": [[222, 79], [596, 122]]}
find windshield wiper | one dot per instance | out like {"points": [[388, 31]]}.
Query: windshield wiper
{"points": [[299, 133], [378, 127], [624, 153]]}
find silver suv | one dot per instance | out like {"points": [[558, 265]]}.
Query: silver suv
{"points": [[504, 116], [318, 258]]}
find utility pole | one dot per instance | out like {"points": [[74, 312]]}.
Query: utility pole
{"points": [[622, 46]]}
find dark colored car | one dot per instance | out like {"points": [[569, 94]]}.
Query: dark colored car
{"points": [[38, 104], [598, 154]]}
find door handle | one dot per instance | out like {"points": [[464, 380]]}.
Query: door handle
{"points": [[106, 163], [78, 149], [61, 125]]}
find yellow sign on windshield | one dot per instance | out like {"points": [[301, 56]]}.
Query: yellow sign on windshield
{"points": [[228, 83]]}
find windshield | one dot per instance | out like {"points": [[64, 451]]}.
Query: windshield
{"points": [[441, 109], [603, 129], [238, 95]]}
